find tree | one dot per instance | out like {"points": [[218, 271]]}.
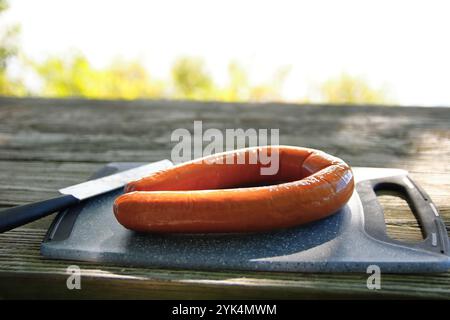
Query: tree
{"points": [[74, 76], [350, 89], [272, 90], [191, 79], [239, 87], [8, 50]]}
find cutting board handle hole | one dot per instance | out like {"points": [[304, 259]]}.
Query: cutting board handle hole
{"points": [[398, 214]]}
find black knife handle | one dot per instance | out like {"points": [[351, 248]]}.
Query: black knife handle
{"points": [[18, 216]]}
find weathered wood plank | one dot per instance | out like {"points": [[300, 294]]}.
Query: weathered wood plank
{"points": [[49, 144], [22, 265]]}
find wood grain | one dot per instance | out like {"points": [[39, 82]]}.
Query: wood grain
{"points": [[49, 144]]}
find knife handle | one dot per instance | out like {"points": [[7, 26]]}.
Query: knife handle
{"points": [[18, 216]]}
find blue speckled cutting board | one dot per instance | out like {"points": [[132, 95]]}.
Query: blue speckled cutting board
{"points": [[348, 241]]}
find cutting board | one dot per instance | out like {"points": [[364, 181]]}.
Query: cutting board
{"points": [[348, 241]]}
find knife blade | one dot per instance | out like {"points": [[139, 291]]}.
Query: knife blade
{"points": [[20, 215], [91, 188]]}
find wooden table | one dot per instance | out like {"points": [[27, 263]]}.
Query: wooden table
{"points": [[49, 144]]}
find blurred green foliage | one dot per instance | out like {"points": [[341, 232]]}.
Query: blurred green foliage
{"points": [[239, 87], [74, 76], [191, 79], [351, 89], [8, 49]]}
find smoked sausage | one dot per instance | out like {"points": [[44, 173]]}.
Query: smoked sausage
{"points": [[227, 192]]}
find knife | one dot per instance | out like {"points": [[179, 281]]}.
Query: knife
{"points": [[18, 216]]}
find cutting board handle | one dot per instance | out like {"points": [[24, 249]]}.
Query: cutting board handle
{"points": [[426, 212]]}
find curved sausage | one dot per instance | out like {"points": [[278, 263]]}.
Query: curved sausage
{"points": [[208, 195]]}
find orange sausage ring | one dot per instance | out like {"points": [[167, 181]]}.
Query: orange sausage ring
{"points": [[208, 195]]}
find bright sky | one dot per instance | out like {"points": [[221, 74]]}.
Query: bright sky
{"points": [[404, 45]]}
